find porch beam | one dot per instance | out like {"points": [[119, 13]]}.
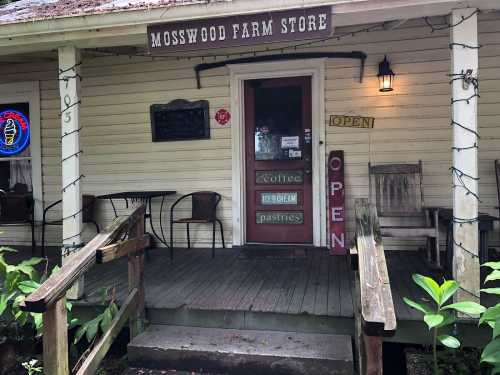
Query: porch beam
{"points": [[465, 154], [69, 90]]}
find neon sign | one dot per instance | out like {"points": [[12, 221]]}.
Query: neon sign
{"points": [[14, 132]]}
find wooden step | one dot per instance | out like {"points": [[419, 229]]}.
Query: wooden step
{"points": [[244, 352]]}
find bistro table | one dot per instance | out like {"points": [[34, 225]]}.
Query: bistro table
{"points": [[144, 197], [485, 225]]}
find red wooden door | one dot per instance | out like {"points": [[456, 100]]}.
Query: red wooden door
{"points": [[278, 160]]}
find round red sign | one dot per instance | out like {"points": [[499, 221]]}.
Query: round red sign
{"points": [[222, 116]]}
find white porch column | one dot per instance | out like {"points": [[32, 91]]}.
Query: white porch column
{"points": [[69, 88], [465, 152]]}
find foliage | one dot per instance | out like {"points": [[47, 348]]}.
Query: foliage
{"points": [[101, 322], [441, 315], [5, 2], [491, 352], [18, 282], [32, 368]]}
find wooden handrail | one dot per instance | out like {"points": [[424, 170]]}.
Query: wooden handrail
{"points": [[373, 305], [56, 286], [377, 306], [50, 298]]}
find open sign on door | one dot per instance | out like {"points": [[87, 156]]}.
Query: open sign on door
{"points": [[336, 200]]}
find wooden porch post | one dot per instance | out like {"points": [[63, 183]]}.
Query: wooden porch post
{"points": [[69, 89], [465, 152]]}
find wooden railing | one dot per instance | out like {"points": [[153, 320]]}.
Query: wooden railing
{"points": [[50, 299], [373, 304]]}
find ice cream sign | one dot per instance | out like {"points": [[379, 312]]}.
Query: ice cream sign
{"points": [[14, 132]]}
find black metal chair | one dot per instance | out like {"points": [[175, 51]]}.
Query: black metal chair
{"points": [[203, 211], [88, 202], [17, 209]]}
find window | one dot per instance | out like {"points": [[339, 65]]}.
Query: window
{"points": [[15, 148]]}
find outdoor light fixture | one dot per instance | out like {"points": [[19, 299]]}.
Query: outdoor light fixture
{"points": [[385, 76]]}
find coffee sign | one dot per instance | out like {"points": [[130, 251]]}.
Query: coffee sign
{"points": [[282, 26]]}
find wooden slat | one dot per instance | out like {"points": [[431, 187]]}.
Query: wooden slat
{"points": [[56, 286], [120, 249], [377, 308], [91, 363]]}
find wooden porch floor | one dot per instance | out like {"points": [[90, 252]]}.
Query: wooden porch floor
{"points": [[316, 284]]}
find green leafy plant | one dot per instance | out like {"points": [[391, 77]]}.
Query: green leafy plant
{"points": [[101, 322], [491, 352], [441, 315], [32, 368]]}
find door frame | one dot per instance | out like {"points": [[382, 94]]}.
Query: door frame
{"points": [[314, 68], [29, 92]]}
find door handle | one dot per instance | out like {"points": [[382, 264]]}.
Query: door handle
{"points": [[307, 171]]}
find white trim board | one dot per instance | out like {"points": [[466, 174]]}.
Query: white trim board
{"points": [[29, 92], [315, 68]]}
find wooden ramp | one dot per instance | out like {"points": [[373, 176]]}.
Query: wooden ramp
{"points": [[245, 352]]}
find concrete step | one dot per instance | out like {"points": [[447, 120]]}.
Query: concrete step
{"points": [[241, 352]]}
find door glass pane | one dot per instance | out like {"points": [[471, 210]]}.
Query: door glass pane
{"points": [[278, 123]]}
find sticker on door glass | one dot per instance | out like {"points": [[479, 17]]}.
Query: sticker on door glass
{"points": [[294, 154], [289, 142]]}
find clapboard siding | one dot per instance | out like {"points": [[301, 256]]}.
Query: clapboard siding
{"points": [[412, 123]]}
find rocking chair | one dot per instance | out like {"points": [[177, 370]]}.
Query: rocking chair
{"points": [[396, 191]]}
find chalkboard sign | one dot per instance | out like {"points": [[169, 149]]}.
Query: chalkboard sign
{"points": [[180, 120]]}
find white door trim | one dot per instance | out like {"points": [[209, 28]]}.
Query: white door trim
{"points": [[29, 92], [315, 68]]}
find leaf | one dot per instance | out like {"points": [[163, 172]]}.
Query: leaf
{"points": [[496, 329], [491, 290], [448, 289], [4, 249], [433, 320], [12, 279], [32, 261], [93, 328], [417, 306], [429, 285], [107, 318], [492, 313], [28, 270], [492, 265], [69, 306], [38, 319], [495, 370], [28, 286], [449, 341], [466, 307], [79, 333], [491, 352], [495, 275], [55, 270], [4, 300], [73, 323], [449, 318]]}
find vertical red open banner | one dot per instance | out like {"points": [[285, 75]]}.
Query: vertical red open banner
{"points": [[336, 202]]}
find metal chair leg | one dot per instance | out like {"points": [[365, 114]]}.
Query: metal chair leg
{"points": [[33, 242], [188, 236], [171, 240], [213, 239], [221, 233], [43, 239]]}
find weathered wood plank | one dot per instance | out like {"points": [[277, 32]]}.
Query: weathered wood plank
{"points": [[56, 285], [55, 339], [377, 308], [136, 278], [120, 249], [92, 362]]}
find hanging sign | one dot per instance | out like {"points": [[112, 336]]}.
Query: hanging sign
{"points": [[336, 200], [242, 30], [14, 132], [352, 121], [222, 116]]}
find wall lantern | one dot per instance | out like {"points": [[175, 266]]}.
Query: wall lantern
{"points": [[385, 76]]}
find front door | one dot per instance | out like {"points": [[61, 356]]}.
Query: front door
{"points": [[278, 159]]}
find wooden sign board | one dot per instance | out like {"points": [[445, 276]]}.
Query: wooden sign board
{"points": [[352, 121], [336, 200], [242, 30], [277, 217]]}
